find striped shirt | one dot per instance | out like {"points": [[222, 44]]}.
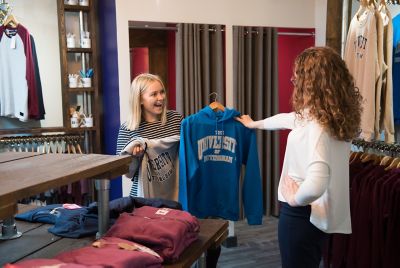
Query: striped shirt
{"points": [[153, 130]]}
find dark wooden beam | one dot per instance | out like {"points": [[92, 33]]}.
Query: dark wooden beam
{"points": [[334, 24]]}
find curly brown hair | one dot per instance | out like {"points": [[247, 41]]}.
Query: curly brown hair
{"points": [[324, 86]]}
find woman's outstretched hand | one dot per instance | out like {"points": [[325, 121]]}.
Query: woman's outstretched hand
{"points": [[245, 120]]}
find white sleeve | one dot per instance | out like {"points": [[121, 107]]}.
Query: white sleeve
{"points": [[278, 121], [315, 184]]}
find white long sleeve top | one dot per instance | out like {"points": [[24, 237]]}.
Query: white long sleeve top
{"points": [[319, 164]]}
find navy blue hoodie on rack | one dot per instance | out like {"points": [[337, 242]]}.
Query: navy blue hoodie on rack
{"points": [[213, 147]]}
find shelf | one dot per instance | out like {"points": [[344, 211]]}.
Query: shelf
{"points": [[76, 8], [41, 130], [32, 130], [79, 50], [80, 129], [81, 89], [77, 19]]}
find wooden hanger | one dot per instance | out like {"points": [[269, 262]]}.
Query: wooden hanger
{"points": [[355, 156], [11, 20], [395, 163], [376, 159], [364, 6], [386, 161], [215, 105]]}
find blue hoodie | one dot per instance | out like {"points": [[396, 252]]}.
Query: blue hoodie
{"points": [[396, 69], [213, 147]]}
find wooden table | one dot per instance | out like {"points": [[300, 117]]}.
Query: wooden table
{"points": [[26, 174], [37, 242]]}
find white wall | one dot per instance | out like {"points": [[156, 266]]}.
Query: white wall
{"points": [[296, 14], [40, 18]]}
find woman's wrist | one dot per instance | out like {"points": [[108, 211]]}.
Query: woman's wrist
{"points": [[256, 124]]}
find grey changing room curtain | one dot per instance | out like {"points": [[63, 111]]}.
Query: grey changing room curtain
{"points": [[199, 66], [255, 90]]}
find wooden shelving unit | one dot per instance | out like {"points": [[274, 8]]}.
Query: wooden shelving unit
{"points": [[77, 19]]}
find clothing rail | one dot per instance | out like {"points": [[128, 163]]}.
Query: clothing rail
{"points": [[378, 145], [46, 138], [45, 143], [296, 34], [211, 28], [80, 192], [393, 2]]}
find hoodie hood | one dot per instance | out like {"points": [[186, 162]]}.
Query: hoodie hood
{"points": [[219, 116]]}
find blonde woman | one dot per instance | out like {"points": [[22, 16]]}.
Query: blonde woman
{"points": [[149, 122], [314, 187]]}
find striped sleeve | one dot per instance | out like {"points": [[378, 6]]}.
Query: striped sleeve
{"points": [[150, 130]]}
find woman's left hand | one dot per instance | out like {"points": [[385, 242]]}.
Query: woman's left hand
{"points": [[289, 189]]}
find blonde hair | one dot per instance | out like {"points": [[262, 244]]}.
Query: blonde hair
{"points": [[325, 87], [138, 86]]}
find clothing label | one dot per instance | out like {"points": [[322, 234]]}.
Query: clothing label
{"points": [[13, 42], [71, 206], [162, 211]]}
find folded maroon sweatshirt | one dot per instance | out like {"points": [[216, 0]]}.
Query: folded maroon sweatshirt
{"points": [[113, 252], [167, 231], [47, 263]]}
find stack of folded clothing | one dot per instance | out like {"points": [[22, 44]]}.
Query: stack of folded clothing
{"points": [[167, 231], [74, 221], [141, 236]]}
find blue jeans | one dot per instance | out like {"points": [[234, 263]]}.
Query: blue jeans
{"points": [[300, 242]]}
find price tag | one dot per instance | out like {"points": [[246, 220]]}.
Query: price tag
{"points": [[13, 42]]}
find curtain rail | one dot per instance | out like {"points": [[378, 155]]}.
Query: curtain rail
{"points": [[296, 33], [167, 28], [173, 28]]}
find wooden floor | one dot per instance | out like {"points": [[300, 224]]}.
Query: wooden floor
{"points": [[257, 246]]}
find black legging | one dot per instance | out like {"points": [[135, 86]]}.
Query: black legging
{"points": [[300, 242]]}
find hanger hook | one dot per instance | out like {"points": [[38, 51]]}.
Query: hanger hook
{"points": [[215, 94]]}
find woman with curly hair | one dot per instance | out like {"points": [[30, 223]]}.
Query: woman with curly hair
{"points": [[314, 186]]}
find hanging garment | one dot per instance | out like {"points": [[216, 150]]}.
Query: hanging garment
{"points": [[212, 149], [39, 93], [157, 169], [383, 70], [18, 96], [374, 199], [396, 69], [146, 130], [386, 121], [361, 57]]}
